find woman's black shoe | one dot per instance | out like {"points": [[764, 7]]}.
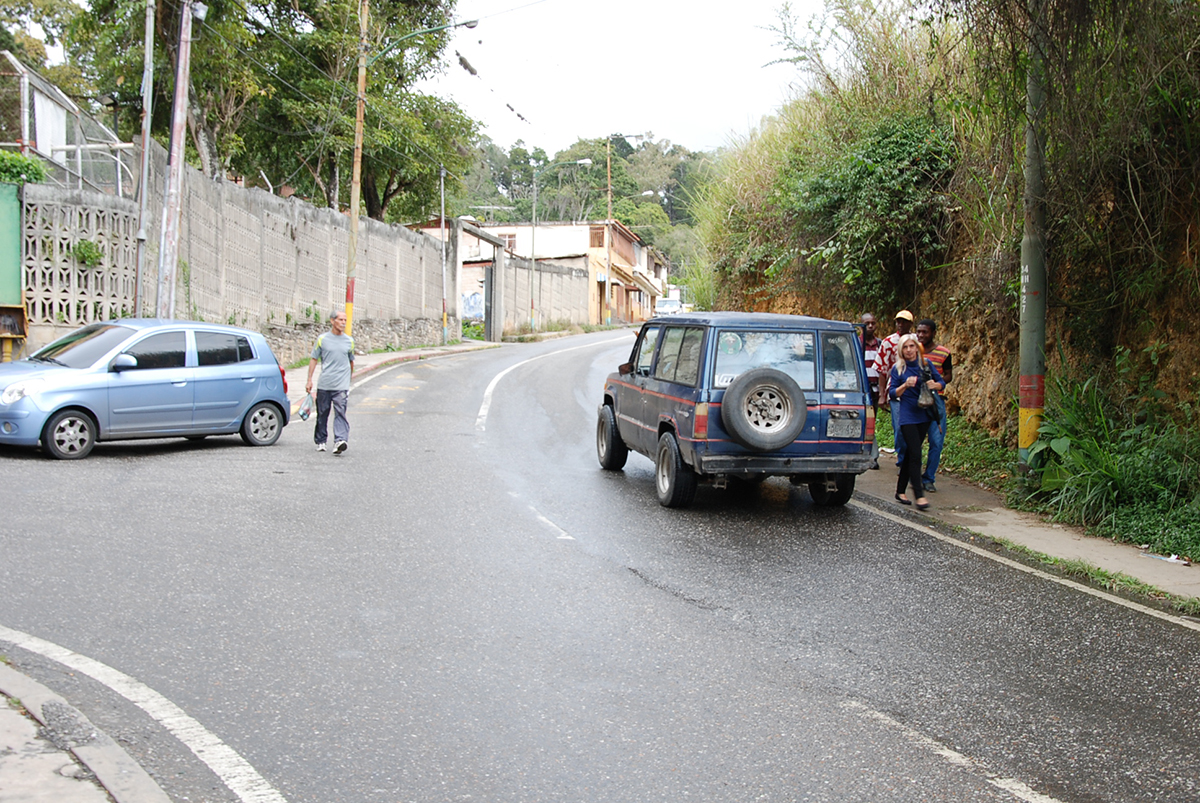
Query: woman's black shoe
{"points": [[902, 500]]}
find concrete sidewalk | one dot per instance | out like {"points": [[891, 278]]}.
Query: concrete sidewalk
{"points": [[961, 504]]}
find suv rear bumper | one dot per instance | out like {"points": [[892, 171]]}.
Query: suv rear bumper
{"points": [[782, 466]]}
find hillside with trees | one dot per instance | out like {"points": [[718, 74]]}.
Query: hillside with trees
{"points": [[895, 180]]}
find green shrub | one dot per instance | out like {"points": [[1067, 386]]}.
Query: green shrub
{"points": [[1110, 458], [87, 253], [18, 169]]}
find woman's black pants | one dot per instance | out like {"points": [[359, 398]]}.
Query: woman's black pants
{"points": [[910, 471]]}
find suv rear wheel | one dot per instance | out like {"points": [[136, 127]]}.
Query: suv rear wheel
{"points": [[673, 479], [763, 409], [824, 497]]}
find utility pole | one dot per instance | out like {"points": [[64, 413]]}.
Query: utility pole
{"points": [[359, 114], [144, 180], [608, 237], [168, 248], [356, 173], [442, 191], [1032, 380]]}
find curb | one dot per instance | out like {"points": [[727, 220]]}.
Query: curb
{"points": [[120, 775]]}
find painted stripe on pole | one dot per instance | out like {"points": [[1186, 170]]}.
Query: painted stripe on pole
{"points": [[233, 770]]}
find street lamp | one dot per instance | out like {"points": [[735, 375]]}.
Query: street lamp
{"points": [[533, 232], [356, 173]]}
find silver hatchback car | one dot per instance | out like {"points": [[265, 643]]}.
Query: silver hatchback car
{"points": [[143, 378]]}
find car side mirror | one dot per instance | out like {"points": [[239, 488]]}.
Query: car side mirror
{"points": [[624, 369], [124, 362]]}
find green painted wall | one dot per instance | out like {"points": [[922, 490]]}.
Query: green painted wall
{"points": [[11, 289]]}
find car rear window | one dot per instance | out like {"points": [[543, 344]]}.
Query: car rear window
{"points": [[221, 348], [83, 347], [794, 353]]}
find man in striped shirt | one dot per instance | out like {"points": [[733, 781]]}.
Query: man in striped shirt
{"points": [[870, 345], [941, 359]]}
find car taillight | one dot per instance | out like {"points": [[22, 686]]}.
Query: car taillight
{"points": [[870, 423], [700, 432], [283, 376]]}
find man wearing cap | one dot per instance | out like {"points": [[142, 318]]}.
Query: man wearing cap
{"points": [[884, 362]]}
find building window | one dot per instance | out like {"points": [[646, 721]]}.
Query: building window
{"points": [[597, 240], [510, 242]]}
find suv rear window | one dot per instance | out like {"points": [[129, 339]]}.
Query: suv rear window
{"points": [[794, 353], [838, 362]]}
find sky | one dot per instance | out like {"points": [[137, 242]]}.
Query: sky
{"points": [[694, 73]]}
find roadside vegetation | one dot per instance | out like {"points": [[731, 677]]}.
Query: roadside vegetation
{"points": [[894, 180]]}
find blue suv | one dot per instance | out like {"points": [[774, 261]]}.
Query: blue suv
{"points": [[731, 395]]}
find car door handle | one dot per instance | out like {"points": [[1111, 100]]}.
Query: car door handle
{"points": [[180, 384]]}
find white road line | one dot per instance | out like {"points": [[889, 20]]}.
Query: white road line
{"points": [[1104, 595], [562, 534], [236, 773], [1018, 789], [379, 372], [481, 419]]}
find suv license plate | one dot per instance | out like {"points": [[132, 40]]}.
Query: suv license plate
{"points": [[844, 428]]}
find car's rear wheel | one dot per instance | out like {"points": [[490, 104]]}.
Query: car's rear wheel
{"points": [[262, 425], [763, 409], [673, 479], [69, 435], [610, 447], [824, 497]]}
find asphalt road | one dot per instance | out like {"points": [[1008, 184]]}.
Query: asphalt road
{"points": [[464, 607]]}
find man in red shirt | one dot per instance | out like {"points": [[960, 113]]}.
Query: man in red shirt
{"points": [[870, 346]]}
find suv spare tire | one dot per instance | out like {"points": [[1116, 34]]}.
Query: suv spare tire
{"points": [[763, 409]]}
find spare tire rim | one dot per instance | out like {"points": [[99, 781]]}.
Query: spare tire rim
{"points": [[767, 409]]}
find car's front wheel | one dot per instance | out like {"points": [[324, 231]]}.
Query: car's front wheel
{"points": [[262, 425], [824, 497], [610, 447], [69, 435], [674, 479]]}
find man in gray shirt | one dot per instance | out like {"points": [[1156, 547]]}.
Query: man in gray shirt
{"points": [[335, 352]]}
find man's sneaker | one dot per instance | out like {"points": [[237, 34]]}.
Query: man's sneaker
{"points": [[340, 447], [929, 486], [320, 447]]}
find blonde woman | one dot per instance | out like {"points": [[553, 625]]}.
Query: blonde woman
{"points": [[904, 388]]}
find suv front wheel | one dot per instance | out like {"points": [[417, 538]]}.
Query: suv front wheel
{"points": [[673, 479], [610, 447]]}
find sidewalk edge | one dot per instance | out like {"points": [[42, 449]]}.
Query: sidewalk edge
{"points": [[116, 771], [1046, 562]]}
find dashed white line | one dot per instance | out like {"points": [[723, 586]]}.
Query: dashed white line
{"points": [[1018, 789], [233, 770], [562, 534]]}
